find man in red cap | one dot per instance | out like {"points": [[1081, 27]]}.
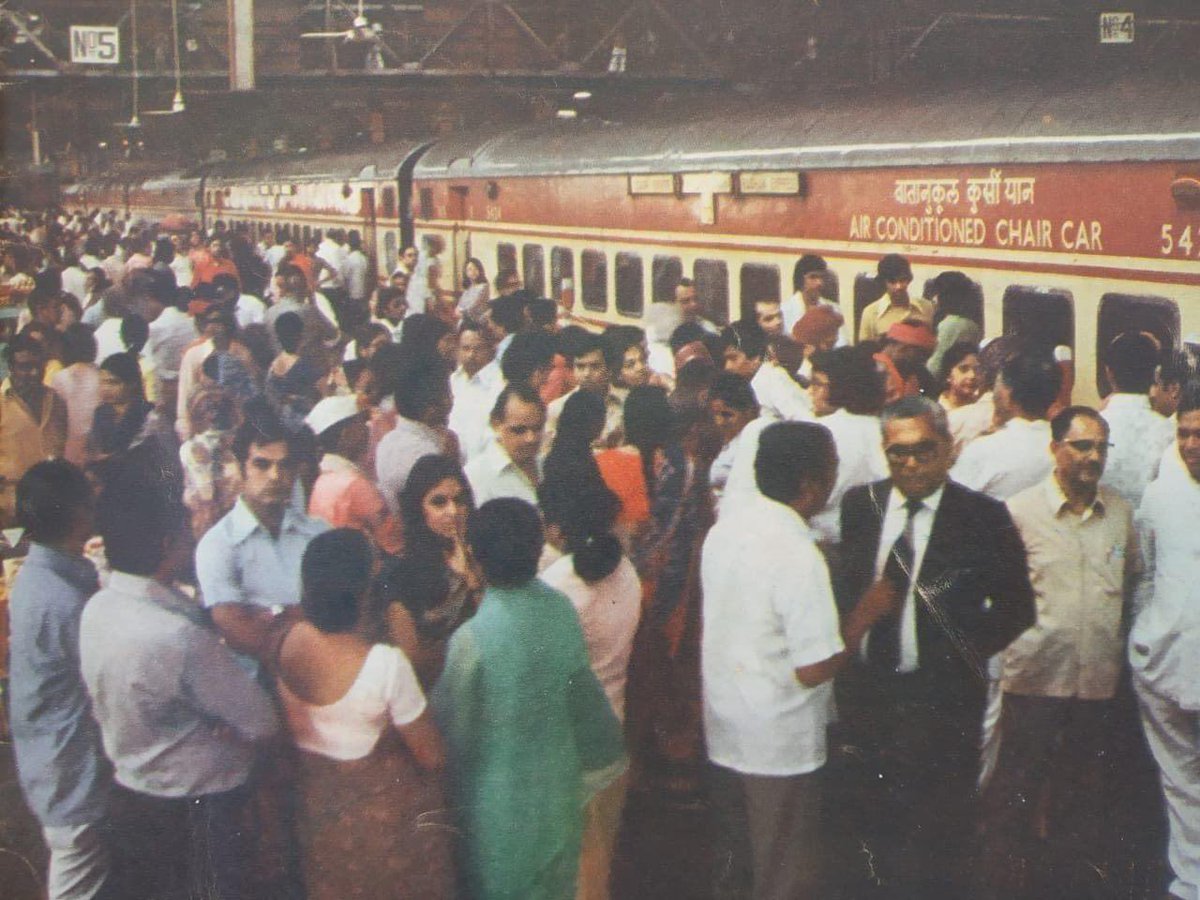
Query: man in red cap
{"points": [[907, 346]]}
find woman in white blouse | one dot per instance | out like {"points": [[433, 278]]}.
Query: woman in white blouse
{"points": [[604, 588], [370, 755]]}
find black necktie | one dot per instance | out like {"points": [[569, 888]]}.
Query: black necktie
{"points": [[883, 648]]}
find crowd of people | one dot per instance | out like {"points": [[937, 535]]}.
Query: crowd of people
{"points": [[332, 589]]}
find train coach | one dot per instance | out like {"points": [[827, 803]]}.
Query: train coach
{"points": [[367, 190], [1075, 211]]}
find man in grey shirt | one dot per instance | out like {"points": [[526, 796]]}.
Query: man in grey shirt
{"points": [[60, 762], [180, 719]]}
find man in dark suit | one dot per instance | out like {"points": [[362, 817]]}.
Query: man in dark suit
{"points": [[912, 701]]}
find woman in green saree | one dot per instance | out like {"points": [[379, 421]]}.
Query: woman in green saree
{"points": [[531, 734]]}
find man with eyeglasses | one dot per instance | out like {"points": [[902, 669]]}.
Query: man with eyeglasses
{"points": [[1164, 644], [1060, 676], [912, 703]]}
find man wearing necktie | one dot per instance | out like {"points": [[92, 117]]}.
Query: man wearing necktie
{"points": [[912, 702]]}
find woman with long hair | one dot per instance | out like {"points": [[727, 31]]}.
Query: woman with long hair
{"points": [[603, 586], [369, 784], [960, 376], [472, 303], [434, 586], [124, 411], [571, 460]]}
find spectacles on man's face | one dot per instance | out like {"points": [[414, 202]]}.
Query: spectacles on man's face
{"points": [[921, 452], [1082, 446]]}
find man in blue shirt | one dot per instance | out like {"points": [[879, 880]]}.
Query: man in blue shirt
{"points": [[60, 761], [248, 564]]}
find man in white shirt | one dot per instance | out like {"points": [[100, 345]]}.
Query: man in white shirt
{"points": [[475, 385], [247, 309], [1164, 645], [74, 278], [592, 374], [509, 466], [330, 252], [771, 645], [845, 380], [746, 354], [1138, 434], [1017, 455], [407, 262], [275, 252], [1002, 464], [423, 285], [181, 263], [808, 280], [354, 271]]}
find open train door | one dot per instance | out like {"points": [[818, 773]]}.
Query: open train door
{"points": [[368, 216]]}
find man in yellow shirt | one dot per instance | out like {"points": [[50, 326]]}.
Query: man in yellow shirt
{"points": [[33, 419], [895, 275]]}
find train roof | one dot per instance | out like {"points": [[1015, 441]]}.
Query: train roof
{"points": [[1127, 119], [376, 161]]}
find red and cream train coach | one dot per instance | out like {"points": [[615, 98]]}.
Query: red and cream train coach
{"points": [[1076, 211]]}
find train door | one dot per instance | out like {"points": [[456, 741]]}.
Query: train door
{"points": [[460, 237], [370, 231]]}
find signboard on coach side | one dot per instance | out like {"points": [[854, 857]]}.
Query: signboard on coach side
{"points": [[97, 44]]}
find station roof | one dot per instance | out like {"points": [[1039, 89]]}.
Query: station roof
{"points": [[380, 160], [1126, 119]]}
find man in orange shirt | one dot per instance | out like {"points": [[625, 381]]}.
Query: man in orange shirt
{"points": [[204, 270]]}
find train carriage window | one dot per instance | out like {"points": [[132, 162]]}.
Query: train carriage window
{"points": [[388, 202], [595, 280], [533, 269], [562, 272], [1120, 313], [664, 275], [758, 282], [426, 201], [974, 308], [506, 258], [1043, 317], [712, 289], [630, 288], [307, 233]]}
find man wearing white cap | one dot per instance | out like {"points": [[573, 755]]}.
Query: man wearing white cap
{"points": [[344, 496]]}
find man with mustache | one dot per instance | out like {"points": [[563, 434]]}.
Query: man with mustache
{"points": [[1060, 676]]}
